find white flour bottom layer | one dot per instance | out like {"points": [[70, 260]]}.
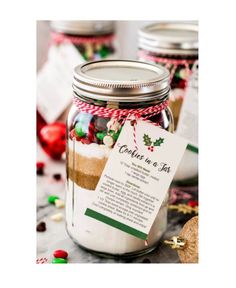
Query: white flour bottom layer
{"points": [[100, 237]]}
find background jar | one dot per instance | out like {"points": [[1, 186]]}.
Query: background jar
{"points": [[113, 84], [94, 40], [175, 46]]}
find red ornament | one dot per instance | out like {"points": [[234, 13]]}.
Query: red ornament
{"points": [[192, 203], [53, 139], [40, 122]]}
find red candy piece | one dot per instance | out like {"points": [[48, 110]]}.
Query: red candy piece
{"points": [[74, 135], [192, 203], [85, 141], [91, 132], [60, 254], [53, 139], [40, 165], [182, 84]]}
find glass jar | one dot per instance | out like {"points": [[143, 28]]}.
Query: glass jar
{"points": [[94, 40], [175, 46], [116, 84]]}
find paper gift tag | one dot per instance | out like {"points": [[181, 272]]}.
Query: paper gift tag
{"points": [[134, 182], [54, 81]]}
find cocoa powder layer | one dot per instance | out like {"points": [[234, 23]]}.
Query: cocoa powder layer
{"points": [[83, 180], [91, 166]]}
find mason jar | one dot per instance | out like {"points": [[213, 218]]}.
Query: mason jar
{"points": [[116, 85], [175, 46], [94, 40]]}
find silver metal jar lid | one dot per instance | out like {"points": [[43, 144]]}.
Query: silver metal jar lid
{"points": [[170, 38], [121, 81], [83, 27]]}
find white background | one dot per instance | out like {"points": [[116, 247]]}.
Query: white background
{"points": [[217, 147]]}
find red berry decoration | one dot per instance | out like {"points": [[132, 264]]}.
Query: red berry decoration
{"points": [[60, 254], [53, 139], [192, 203]]}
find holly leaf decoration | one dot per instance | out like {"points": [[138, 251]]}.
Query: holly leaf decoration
{"points": [[147, 140], [158, 142]]}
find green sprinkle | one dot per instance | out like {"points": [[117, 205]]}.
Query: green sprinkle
{"points": [[104, 52], [52, 199], [79, 131]]}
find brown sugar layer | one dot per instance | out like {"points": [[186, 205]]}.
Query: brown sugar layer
{"points": [[87, 166], [83, 180]]}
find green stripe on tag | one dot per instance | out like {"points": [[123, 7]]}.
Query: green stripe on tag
{"points": [[192, 148], [116, 224]]}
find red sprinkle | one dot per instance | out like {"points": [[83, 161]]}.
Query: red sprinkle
{"points": [[40, 165], [192, 203], [60, 254]]}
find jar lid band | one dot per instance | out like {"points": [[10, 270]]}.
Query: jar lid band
{"points": [[121, 81]]}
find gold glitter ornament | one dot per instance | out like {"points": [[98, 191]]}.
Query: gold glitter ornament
{"points": [[186, 243]]}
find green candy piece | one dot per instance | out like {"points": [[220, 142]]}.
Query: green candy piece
{"points": [[104, 52], [79, 131], [100, 135], [59, 261], [52, 199], [115, 135], [85, 56]]}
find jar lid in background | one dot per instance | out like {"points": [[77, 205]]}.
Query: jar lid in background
{"points": [[170, 38], [83, 27], [121, 81]]}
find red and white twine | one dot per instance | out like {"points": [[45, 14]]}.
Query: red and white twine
{"points": [[170, 63], [42, 260], [59, 38], [123, 114]]}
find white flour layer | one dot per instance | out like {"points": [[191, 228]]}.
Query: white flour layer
{"points": [[100, 237], [92, 150]]}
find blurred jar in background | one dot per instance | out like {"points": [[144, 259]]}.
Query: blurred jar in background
{"points": [[174, 45], [94, 40], [72, 43]]}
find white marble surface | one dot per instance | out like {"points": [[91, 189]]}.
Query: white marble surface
{"points": [[55, 237]]}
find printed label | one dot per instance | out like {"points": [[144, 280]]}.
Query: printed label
{"points": [[134, 182]]}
